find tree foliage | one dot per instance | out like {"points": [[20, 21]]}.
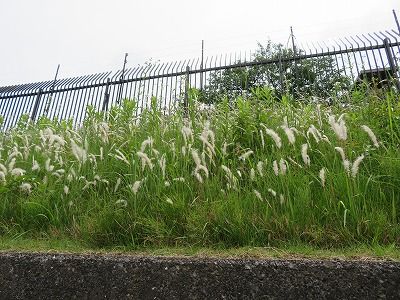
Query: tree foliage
{"points": [[280, 74]]}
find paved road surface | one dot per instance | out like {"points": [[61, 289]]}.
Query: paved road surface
{"points": [[71, 276]]}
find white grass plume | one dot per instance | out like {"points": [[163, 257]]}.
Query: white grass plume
{"points": [[135, 186], [196, 157], [146, 161], [187, 134], [262, 139], [2, 177], [252, 174], [260, 168], [162, 163], [3, 169], [322, 174], [371, 135], [198, 177], [356, 165], [117, 184], [145, 143], [17, 172], [275, 137], [272, 192], [48, 166], [258, 195], [315, 133], [304, 155], [290, 135], [201, 168], [275, 167], [121, 156], [180, 179], [341, 152], [246, 155], [11, 164], [282, 166], [79, 153], [338, 127], [25, 188]]}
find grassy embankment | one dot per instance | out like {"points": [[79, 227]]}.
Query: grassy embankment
{"points": [[278, 175]]}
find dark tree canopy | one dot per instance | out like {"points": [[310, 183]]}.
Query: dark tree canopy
{"points": [[319, 77]]}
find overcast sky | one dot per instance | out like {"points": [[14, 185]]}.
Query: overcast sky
{"points": [[90, 36]]}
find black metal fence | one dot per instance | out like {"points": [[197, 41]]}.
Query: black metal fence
{"points": [[362, 57]]}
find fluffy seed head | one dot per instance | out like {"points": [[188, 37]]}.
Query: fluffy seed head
{"points": [[11, 164], [347, 165], [2, 176], [122, 202], [135, 186], [356, 165], [340, 150], [290, 135], [162, 163], [3, 169], [275, 167], [283, 166], [35, 165], [275, 137], [17, 172], [48, 166], [117, 184], [145, 143], [322, 176], [304, 155], [198, 177], [315, 133], [25, 188], [371, 135], [260, 168], [262, 139], [338, 127], [245, 155], [258, 194], [201, 168], [252, 174], [181, 179], [121, 156], [196, 157], [281, 199], [272, 192], [145, 160]]}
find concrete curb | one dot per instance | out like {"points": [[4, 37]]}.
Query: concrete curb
{"points": [[71, 276]]}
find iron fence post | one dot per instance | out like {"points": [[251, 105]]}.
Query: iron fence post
{"points": [[36, 105], [391, 61], [186, 98], [281, 74], [106, 96], [201, 65]]}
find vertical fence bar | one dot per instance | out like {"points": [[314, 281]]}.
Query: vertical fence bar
{"points": [[392, 65], [36, 105], [186, 98], [106, 96]]}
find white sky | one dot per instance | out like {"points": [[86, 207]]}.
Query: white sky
{"points": [[90, 36]]}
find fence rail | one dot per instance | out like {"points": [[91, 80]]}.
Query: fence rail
{"points": [[355, 58]]}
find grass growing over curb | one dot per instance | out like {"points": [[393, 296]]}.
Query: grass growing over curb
{"points": [[304, 251], [254, 173]]}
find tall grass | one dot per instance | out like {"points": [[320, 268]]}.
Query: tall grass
{"points": [[248, 173]]}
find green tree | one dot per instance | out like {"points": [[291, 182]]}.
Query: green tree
{"points": [[281, 74]]}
